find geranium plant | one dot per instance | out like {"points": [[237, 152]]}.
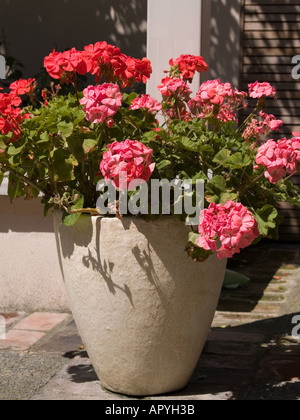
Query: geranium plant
{"points": [[63, 145]]}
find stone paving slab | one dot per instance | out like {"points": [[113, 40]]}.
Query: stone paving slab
{"points": [[20, 340]]}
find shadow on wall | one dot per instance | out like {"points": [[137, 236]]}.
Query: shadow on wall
{"points": [[271, 40], [33, 28], [23, 216], [225, 41]]}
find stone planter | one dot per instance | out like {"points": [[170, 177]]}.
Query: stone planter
{"points": [[143, 308]]}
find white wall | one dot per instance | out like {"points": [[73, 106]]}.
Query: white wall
{"points": [[174, 28], [210, 28], [30, 277]]}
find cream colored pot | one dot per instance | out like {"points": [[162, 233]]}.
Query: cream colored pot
{"points": [[143, 308]]}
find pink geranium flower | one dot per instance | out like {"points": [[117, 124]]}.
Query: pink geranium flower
{"points": [[279, 158], [262, 127], [231, 224], [101, 102], [259, 90], [215, 92], [171, 85], [127, 161], [145, 102]]}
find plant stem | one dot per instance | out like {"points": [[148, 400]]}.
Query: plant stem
{"points": [[87, 210], [252, 183], [288, 177], [130, 120], [26, 180], [257, 178], [243, 125], [76, 89]]}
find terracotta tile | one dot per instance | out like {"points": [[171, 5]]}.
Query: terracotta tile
{"points": [[41, 321], [20, 340], [11, 317]]}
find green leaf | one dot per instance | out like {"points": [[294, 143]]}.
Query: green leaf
{"points": [[71, 219], [44, 138], [194, 237], [205, 148], [217, 185], [228, 196], [1, 178], [239, 161], [79, 117], [64, 164], [75, 143], [128, 98], [189, 145], [266, 219], [222, 157], [66, 128], [15, 187], [194, 251], [164, 164], [216, 188], [47, 208], [89, 145], [13, 151], [132, 96]]}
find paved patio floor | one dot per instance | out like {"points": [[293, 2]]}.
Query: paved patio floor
{"points": [[251, 353]]}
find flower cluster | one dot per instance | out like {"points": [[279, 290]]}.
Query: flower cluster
{"points": [[187, 66], [232, 224], [263, 127], [217, 99], [223, 102], [279, 158], [145, 102], [57, 152], [261, 90], [174, 86], [23, 87], [65, 66], [101, 102], [127, 161], [11, 116], [108, 61], [215, 92], [101, 60]]}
